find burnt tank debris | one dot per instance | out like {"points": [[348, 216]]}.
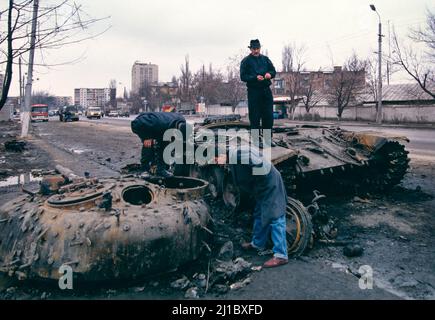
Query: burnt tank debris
{"points": [[105, 229], [313, 158], [314, 161]]}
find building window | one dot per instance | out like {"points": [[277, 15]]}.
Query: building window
{"points": [[279, 84]]}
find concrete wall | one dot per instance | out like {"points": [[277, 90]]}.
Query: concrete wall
{"points": [[5, 113], [392, 113], [216, 110]]}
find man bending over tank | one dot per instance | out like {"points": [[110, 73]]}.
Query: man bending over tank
{"points": [[150, 127], [268, 191]]}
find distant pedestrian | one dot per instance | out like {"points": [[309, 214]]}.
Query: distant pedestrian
{"points": [[257, 70]]}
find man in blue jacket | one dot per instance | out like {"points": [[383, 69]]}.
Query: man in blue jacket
{"points": [[257, 70], [268, 191]]}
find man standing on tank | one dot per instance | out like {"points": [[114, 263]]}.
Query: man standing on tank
{"points": [[257, 71]]}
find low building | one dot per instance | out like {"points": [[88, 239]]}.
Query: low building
{"points": [[321, 81], [222, 109], [403, 103]]}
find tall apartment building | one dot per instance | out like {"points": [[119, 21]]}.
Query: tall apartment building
{"points": [[91, 97], [142, 73]]}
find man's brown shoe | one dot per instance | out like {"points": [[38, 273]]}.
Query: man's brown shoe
{"points": [[275, 262]]}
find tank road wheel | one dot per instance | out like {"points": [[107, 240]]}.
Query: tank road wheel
{"points": [[299, 227], [215, 176], [230, 192], [389, 166]]}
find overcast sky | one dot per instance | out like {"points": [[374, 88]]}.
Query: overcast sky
{"points": [[163, 32]]}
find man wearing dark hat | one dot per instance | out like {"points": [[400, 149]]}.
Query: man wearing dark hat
{"points": [[257, 70]]}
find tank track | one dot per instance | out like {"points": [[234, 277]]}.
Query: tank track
{"points": [[386, 168]]}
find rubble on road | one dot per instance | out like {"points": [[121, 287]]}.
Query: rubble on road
{"points": [[15, 145], [353, 250]]}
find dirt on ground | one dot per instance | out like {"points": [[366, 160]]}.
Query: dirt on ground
{"points": [[394, 230]]}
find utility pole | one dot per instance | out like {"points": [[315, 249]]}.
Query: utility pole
{"points": [[379, 112], [28, 92], [21, 83]]}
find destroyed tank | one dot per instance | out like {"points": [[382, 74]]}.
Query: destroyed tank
{"points": [[317, 159], [106, 229]]}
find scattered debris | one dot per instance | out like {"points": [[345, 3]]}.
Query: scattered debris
{"points": [[226, 253], [181, 283], [256, 268], [353, 250], [15, 145], [403, 238], [221, 288], [201, 280], [231, 271], [240, 284], [358, 199], [192, 293]]}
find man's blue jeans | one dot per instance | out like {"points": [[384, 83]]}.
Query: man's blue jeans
{"points": [[277, 230]]}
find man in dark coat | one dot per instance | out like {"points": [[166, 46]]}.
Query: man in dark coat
{"points": [[150, 127], [268, 191], [257, 70]]}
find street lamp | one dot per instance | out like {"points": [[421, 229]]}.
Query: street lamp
{"points": [[379, 113]]}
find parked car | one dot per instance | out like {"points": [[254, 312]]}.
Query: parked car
{"points": [[94, 112], [113, 113], [69, 113], [124, 114]]}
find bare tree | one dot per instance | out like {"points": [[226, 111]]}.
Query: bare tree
{"points": [[427, 34], [293, 60], [185, 81], [235, 89], [346, 83], [59, 23], [208, 84], [372, 78], [44, 97], [112, 86], [309, 94], [417, 64]]}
